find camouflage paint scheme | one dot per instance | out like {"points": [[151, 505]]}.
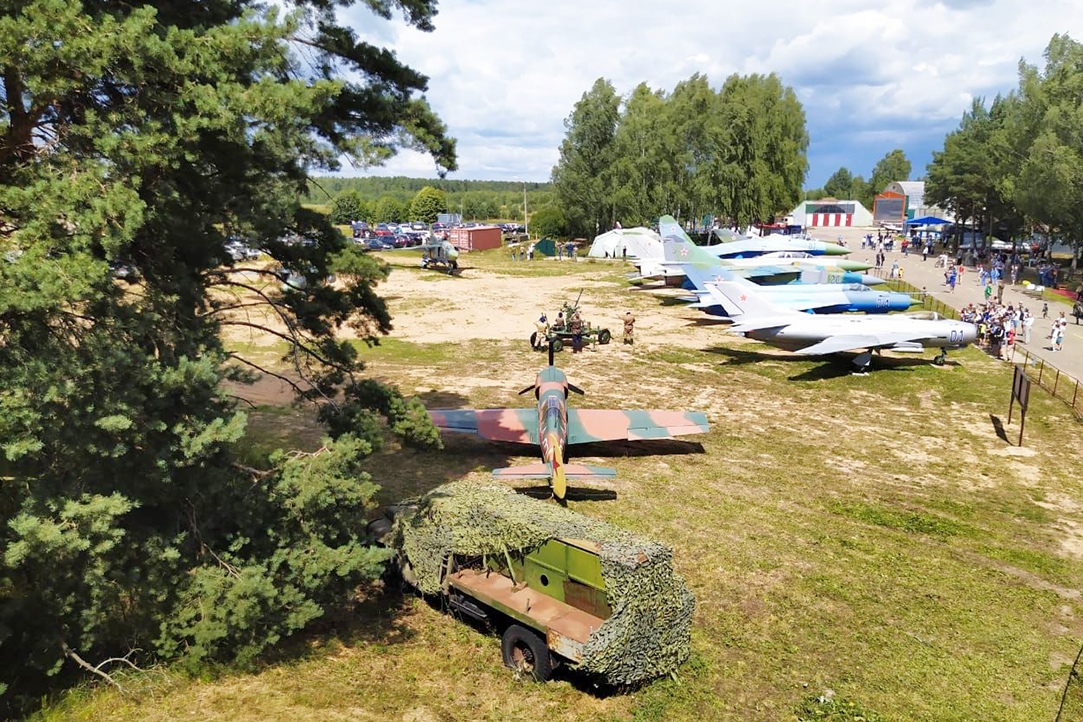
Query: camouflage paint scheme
{"points": [[553, 426]]}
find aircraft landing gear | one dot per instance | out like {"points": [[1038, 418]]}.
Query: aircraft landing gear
{"points": [[862, 362], [941, 357]]}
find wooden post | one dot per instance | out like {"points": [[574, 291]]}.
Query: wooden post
{"points": [[1055, 382], [1022, 423], [1041, 367], [1075, 393]]}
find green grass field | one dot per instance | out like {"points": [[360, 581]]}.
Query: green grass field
{"points": [[872, 539]]}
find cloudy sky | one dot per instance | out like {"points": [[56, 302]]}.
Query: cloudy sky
{"points": [[871, 76]]}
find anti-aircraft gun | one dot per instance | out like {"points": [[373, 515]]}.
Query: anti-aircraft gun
{"points": [[561, 588], [560, 334]]}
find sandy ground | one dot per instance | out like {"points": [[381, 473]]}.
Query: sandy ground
{"points": [[486, 305]]}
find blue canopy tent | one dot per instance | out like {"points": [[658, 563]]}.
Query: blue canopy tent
{"points": [[927, 221]]}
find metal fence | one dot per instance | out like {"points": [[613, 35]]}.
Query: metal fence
{"points": [[1049, 377], [1057, 382], [1071, 702]]}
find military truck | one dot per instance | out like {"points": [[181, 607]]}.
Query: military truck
{"points": [[559, 587]]}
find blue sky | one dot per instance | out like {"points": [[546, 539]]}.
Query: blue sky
{"points": [[503, 75]]}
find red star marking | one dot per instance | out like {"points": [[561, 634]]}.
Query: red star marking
{"points": [[744, 297], [683, 251], [718, 279]]}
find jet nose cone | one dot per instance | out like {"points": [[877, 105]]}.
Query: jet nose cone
{"points": [[914, 301], [970, 333], [832, 249], [870, 280], [848, 265]]}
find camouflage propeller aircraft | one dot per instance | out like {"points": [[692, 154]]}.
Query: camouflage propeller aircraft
{"points": [[554, 427]]}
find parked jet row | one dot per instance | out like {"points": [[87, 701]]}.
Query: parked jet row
{"points": [[700, 268]]}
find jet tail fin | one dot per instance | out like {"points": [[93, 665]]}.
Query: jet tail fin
{"points": [[743, 303]]}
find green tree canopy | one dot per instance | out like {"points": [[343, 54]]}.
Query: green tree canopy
{"points": [[738, 152], [840, 184], [389, 209], [549, 221], [894, 166], [145, 135], [581, 176], [428, 204], [349, 207]]}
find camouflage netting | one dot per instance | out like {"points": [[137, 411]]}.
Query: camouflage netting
{"points": [[649, 631]]}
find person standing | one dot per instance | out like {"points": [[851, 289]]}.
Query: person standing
{"points": [[629, 327], [541, 333], [1028, 321], [576, 327], [924, 253]]}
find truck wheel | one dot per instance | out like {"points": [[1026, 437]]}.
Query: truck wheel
{"points": [[604, 336], [534, 341], [557, 344], [525, 651]]}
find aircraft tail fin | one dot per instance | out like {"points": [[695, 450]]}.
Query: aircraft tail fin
{"points": [[557, 477], [743, 303]]}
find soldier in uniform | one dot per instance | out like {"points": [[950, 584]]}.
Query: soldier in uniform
{"points": [[576, 327], [629, 325], [541, 335]]}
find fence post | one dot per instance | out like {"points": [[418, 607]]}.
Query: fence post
{"points": [[1041, 367], [1055, 382], [1075, 393]]}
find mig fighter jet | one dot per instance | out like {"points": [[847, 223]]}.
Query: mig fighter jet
{"points": [[553, 427], [813, 335]]}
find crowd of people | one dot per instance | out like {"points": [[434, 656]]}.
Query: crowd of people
{"points": [[1001, 325]]}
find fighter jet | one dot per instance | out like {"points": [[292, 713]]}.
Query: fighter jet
{"points": [[776, 267], [553, 427], [437, 255], [758, 246], [812, 335], [701, 268]]}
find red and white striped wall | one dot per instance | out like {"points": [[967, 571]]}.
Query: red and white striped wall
{"points": [[830, 219]]}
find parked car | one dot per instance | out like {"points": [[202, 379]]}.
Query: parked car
{"points": [[378, 244], [417, 226]]}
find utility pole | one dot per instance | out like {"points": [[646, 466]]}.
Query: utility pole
{"points": [[526, 218]]}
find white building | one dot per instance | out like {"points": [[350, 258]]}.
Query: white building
{"points": [[830, 212]]}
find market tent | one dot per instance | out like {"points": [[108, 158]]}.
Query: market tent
{"points": [[927, 221], [640, 243]]}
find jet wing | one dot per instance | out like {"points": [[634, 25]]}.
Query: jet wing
{"points": [[518, 426], [761, 324], [856, 342], [589, 425]]}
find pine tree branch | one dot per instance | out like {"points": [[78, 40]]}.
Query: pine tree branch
{"points": [[71, 654]]}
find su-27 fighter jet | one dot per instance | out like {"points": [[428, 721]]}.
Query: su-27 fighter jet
{"points": [[553, 427], [813, 335]]}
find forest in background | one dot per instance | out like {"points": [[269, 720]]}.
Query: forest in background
{"points": [[475, 199]]}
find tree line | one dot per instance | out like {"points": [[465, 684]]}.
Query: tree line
{"points": [[351, 205], [738, 153], [1017, 162], [136, 522], [388, 200]]}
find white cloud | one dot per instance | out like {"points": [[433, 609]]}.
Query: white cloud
{"points": [[503, 75]]}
